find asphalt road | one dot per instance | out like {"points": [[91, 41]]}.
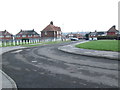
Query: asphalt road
{"points": [[47, 67]]}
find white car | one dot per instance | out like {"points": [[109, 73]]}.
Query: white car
{"points": [[74, 39]]}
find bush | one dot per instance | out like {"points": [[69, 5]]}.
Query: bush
{"points": [[107, 37]]}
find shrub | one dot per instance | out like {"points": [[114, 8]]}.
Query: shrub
{"points": [[107, 37]]}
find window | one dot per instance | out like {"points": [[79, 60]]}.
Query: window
{"points": [[8, 36], [23, 35], [1, 36], [29, 35], [45, 33], [18, 36], [35, 35]]}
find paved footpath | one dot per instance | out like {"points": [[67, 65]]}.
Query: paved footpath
{"points": [[87, 52], [5, 80]]}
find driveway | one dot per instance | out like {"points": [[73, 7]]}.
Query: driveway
{"points": [[47, 67]]}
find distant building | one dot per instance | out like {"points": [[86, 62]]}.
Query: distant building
{"points": [[27, 34], [112, 31], [51, 31], [5, 35], [94, 35], [75, 35]]}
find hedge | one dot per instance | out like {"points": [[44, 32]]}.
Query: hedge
{"points": [[108, 37]]}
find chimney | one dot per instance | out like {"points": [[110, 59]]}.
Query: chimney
{"points": [[51, 22], [114, 26]]}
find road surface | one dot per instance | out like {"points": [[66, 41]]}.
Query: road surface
{"points": [[47, 67]]}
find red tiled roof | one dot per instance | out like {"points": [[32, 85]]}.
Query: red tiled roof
{"points": [[112, 29], [4, 33], [27, 32], [51, 27]]}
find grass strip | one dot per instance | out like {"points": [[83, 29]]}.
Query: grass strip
{"points": [[104, 45]]}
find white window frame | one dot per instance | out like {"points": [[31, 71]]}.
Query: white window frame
{"points": [[7, 36], [18, 36], [35, 35], [45, 33], [1, 36], [29, 35], [23, 35]]}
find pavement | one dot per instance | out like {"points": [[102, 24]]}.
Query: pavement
{"points": [[5, 80], [87, 52]]}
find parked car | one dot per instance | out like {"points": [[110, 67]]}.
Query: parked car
{"points": [[74, 39]]}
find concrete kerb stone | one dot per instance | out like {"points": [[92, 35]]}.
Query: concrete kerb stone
{"points": [[86, 52], [14, 86]]}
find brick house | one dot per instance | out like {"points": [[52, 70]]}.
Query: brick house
{"points": [[27, 35], [112, 31], [5, 35], [51, 31]]}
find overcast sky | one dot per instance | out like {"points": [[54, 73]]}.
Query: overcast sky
{"points": [[70, 15]]}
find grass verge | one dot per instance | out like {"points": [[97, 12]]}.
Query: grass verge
{"points": [[105, 45]]}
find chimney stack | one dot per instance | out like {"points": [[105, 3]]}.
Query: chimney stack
{"points": [[51, 22], [114, 26]]}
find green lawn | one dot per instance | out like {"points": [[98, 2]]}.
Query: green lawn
{"points": [[106, 45]]}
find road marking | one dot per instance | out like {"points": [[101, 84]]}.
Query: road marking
{"points": [[17, 51], [34, 61]]}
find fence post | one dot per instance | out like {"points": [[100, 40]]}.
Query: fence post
{"points": [[27, 41], [5, 43], [23, 41], [14, 42], [18, 42]]}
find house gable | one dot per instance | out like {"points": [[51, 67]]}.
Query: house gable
{"points": [[51, 31], [112, 31], [5, 35]]}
